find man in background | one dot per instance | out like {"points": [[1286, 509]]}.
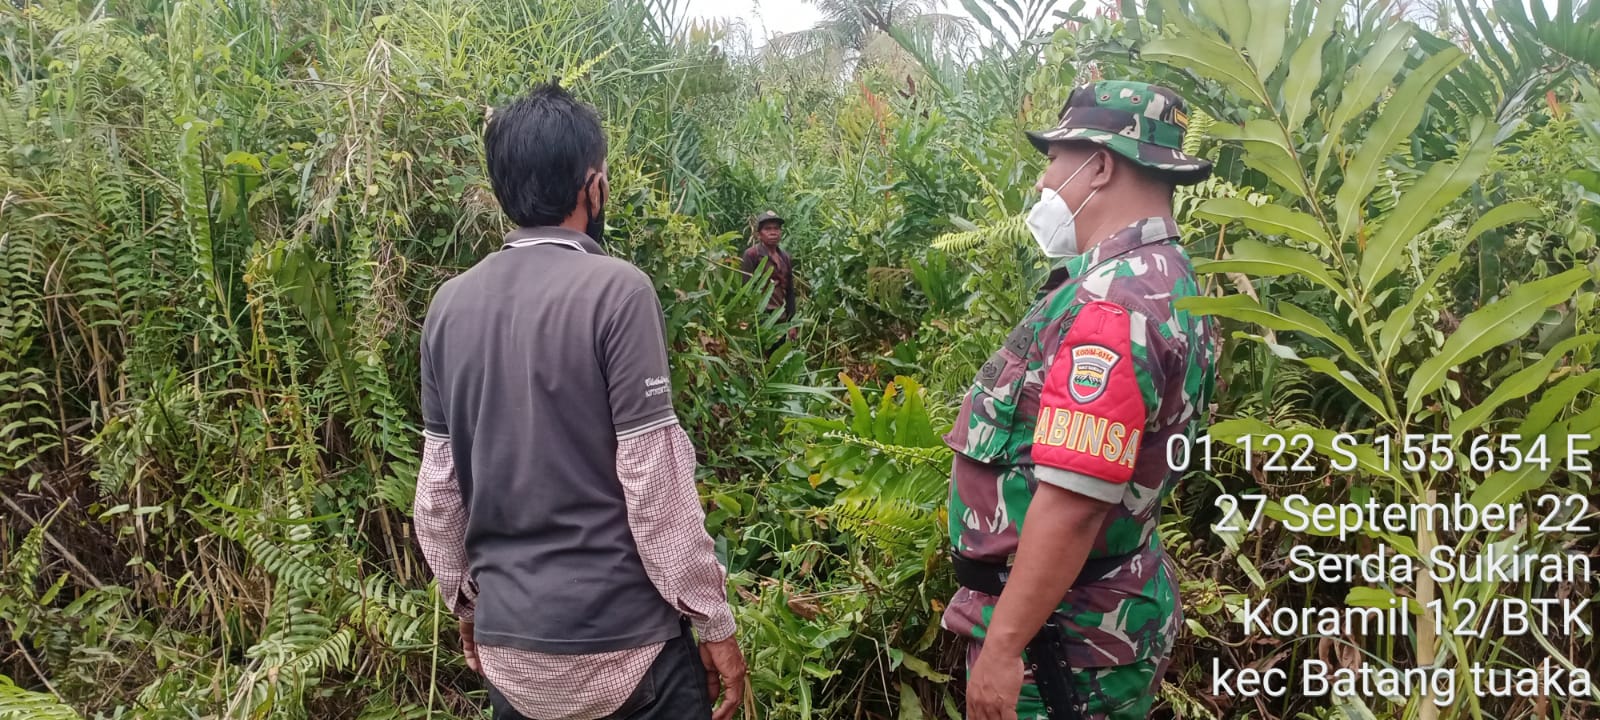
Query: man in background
{"points": [[556, 502], [765, 252]]}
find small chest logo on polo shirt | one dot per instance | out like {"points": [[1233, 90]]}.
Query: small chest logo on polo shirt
{"points": [[1091, 368], [657, 386]]}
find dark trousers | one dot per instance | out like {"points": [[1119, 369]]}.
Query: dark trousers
{"points": [[674, 688]]}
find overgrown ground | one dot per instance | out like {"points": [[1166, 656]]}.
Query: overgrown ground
{"points": [[222, 221]]}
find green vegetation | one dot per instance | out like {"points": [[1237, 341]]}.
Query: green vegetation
{"points": [[220, 223]]}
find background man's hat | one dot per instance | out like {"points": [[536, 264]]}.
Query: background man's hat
{"points": [[766, 216], [1142, 122]]}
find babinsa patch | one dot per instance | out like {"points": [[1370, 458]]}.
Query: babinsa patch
{"points": [[1091, 367]]}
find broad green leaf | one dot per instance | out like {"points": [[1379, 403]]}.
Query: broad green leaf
{"points": [[1300, 317], [1508, 486], [727, 502], [924, 670], [1493, 325], [1168, 13], [1496, 56], [818, 671], [1398, 323], [830, 636], [1361, 596], [240, 157], [1372, 77], [1420, 206], [1251, 571], [886, 415], [951, 710], [1305, 66], [1266, 149], [1291, 319], [1212, 59], [1262, 260], [861, 414], [1327, 367], [1587, 421], [1331, 369], [910, 704], [1404, 545], [1501, 216], [1276, 511], [1553, 401], [1520, 384], [1213, 11], [1367, 458], [1399, 117], [912, 429], [1266, 219], [1237, 17], [1269, 20]]}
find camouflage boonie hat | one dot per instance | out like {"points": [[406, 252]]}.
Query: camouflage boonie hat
{"points": [[1142, 122], [765, 217]]}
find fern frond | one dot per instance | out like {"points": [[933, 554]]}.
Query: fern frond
{"points": [[935, 457], [577, 73], [891, 524], [1013, 232], [52, 20], [19, 704], [1199, 130], [24, 568]]}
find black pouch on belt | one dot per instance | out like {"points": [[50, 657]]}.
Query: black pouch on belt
{"points": [[1047, 651]]}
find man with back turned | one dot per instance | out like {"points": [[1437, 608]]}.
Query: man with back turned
{"points": [[556, 503]]}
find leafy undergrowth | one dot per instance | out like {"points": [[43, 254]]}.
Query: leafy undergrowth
{"points": [[221, 223]]}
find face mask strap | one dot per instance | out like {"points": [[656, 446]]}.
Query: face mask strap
{"points": [[1070, 211], [1074, 175], [594, 207]]}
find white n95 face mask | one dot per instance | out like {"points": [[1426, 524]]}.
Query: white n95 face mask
{"points": [[1053, 224]]}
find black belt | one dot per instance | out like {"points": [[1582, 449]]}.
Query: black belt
{"points": [[990, 578], [1047, 652]]}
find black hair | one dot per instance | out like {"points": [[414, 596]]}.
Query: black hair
{"points": [[539, 150]]}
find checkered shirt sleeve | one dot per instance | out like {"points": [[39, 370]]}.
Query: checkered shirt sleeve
{"points": [[669, 527], [441, 523]]}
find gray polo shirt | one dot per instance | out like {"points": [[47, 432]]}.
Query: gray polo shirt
{"points": [[534, 363]]}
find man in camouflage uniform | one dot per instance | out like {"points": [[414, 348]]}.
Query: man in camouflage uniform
{"points": [[1067, 425]]}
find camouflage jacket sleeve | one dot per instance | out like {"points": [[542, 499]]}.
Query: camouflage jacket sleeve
{"points": [[1099, 394]]}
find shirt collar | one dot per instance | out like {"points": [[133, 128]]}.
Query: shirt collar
{"points": [[1136, 235], [555, 234]]}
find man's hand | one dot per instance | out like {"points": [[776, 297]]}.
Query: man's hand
{"points": [[725, 674], [994, 685], [1061, 529], [469, 647]]}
